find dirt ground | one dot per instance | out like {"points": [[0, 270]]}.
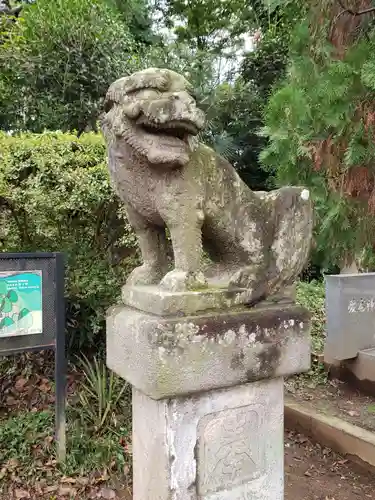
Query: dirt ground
{"points": [[337, 398], [316, 473], [311, 473]]}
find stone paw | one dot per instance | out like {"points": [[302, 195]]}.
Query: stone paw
{"points": [[252, 280], [180, 281], [144, 275]]}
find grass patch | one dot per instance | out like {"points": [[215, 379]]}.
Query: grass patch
{"points": [[88, 452], [104, 401], [312, 296], [28, 451], [98, 433], [317, 375]]}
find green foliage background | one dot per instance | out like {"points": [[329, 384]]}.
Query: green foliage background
{"points": [[327, 96], [55, 195], [58, 60], [264, 114], [288, 94]]}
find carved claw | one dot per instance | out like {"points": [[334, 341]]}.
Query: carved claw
{"points": [[144, 275], [253, 279], [180, 281]]}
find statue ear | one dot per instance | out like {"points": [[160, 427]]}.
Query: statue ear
{"points": [[108, 104]]}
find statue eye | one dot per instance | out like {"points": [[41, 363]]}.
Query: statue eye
{"points": [[143, 90]]}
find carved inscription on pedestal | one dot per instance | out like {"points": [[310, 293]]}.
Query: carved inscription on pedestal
{"points": [[229, 448]]}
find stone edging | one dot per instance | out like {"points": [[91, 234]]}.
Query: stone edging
{"points": [[341, 436]]}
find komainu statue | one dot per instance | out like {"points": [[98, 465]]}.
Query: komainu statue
{"points": [[257, 241]]}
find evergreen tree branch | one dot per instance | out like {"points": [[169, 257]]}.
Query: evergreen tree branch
{"points": [[353, 12]]}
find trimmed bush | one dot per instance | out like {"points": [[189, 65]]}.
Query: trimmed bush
{"points": [[58, 60], [55, 195]]}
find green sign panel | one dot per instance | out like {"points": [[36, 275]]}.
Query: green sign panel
{"points": [[20, 303]]}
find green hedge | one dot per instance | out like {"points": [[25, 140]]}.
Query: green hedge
{"points": [[55, 195]]}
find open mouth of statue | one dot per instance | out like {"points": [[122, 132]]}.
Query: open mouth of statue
{"points": [[175, 129]]}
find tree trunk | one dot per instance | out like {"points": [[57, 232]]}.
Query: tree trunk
{"points": [[349, 266]]}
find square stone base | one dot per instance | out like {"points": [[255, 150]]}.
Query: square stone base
{"points": [[219, 445], [177, 356], [155, 300]]}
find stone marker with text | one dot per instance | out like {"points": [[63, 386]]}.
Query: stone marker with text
{"points": [[350, 310]]}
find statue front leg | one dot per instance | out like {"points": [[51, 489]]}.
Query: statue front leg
{"points": [[153, 245], [186, 238]]}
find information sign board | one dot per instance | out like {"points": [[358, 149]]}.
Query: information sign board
{"points": [[32, 316]]}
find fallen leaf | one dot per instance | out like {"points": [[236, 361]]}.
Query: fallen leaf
{"points": [[16, 479], [302, 439], [51, 463], [45, 388], [65, 491], [21, 494], [353, 413], [48, 439], [68, 480], [83, 481], [126, 494], [107, 494], [100, 477], [12, 463], [51, 489], [20, 384], [38, 488]]}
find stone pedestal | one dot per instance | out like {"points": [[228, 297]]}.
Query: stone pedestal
{"points": [[207, 392], [225, 444]]}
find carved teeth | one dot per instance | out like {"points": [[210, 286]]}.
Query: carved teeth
{"points": [[192, 142], [182, 126]]}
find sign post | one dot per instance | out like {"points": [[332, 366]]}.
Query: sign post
{"points": [[32, 317]]}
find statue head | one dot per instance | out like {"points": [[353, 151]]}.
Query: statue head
{"points": [[154, 111]]}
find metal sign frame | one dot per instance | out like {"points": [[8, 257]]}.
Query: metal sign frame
{"points": [[53, 325]]}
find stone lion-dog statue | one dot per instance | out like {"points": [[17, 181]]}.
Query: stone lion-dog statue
{"points": [[257, 241]]}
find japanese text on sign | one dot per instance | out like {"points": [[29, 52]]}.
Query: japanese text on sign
{"points": [[361, 305]]}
